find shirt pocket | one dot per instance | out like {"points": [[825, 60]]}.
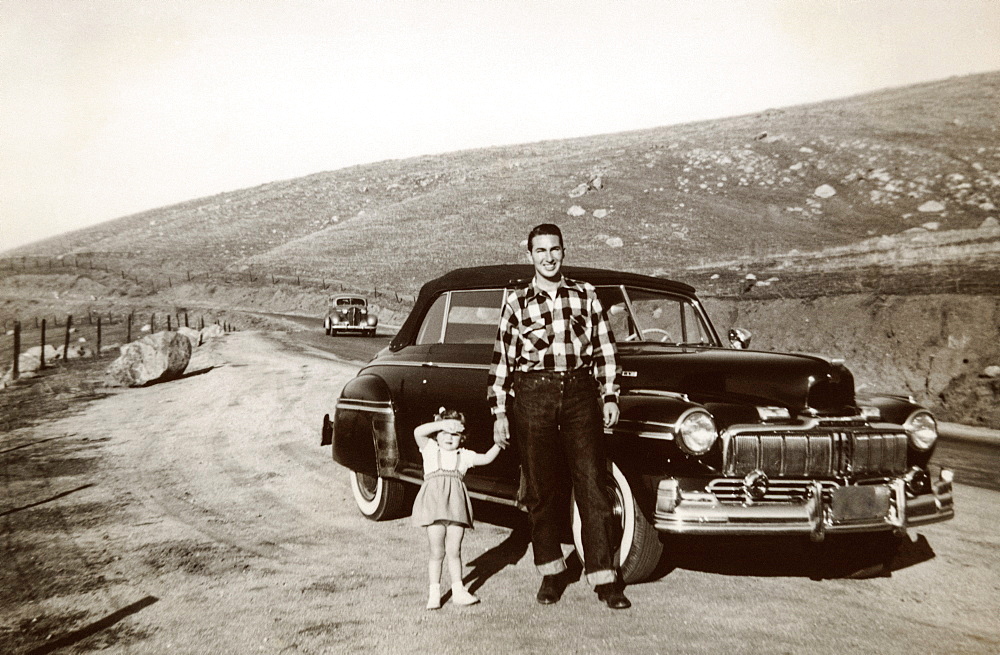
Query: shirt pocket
{"points": [[536, 335], [580, 327]]}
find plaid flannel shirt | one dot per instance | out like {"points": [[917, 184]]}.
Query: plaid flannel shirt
{"points": [[538, 332]]}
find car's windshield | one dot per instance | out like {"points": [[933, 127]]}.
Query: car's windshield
{"points": [[634, 314], [346, 302], [643, 315]]}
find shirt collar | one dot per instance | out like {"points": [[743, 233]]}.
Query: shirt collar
{"points": [[564, 282]]}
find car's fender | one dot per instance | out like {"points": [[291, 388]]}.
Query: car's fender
{"points": [[644, 442], [364, 430]]}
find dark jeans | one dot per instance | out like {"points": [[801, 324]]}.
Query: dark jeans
{"points": [[558, 424]]}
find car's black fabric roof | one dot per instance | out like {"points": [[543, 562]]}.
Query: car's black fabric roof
{"points": [[512, 275]]}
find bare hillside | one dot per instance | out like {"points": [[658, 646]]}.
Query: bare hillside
{"points": [[660, 200]]}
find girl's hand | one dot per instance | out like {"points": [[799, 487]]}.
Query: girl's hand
{"points": [[452, 425]]}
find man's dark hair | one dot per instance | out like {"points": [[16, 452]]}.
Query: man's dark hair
{"points": [[550, 229]]}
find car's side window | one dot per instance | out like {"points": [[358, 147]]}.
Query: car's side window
{"points": [[430, 329], [473, 316], [616, 313], [666, 319], [694, 330]]}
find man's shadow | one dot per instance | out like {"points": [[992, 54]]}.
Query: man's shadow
{"points": [[508, 552]]}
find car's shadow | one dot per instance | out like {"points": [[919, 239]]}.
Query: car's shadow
{"points": [[837, 557], [857, 556]]}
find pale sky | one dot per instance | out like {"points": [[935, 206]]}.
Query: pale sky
{"points": [[111, 107]]}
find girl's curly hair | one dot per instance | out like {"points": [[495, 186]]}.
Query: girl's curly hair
{"points": [[443, 414]]}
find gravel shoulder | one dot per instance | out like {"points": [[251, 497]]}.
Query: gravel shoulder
{"points": [[201, 515]]}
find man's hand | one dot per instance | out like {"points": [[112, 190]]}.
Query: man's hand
{"points": [[501, 431], [610, 415]]}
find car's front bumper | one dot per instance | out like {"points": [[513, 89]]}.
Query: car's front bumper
{"points": [[345, 327], [868, 508]]}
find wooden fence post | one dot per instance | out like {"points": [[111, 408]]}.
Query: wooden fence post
{"points": [[69, 326], [152, 323], [97, 352], [128, 327], [41, 355], [168, 322], [17, 350], [185, 320]]}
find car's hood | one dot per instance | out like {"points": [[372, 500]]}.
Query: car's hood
{"points": [[714, 375]]}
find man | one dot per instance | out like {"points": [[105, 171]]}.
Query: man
{"points": [[555, 351]]}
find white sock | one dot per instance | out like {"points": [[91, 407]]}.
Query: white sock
{"points": [[461, 596], [434, 597]]}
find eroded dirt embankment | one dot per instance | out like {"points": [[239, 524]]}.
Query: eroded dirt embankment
{"points": [[932, 347]]}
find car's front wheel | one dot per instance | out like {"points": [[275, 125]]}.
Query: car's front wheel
{"points": [[637, 543], [378, 498]]}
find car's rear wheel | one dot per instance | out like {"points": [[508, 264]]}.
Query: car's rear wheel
{"points": [[637, 543], [378, 498]]}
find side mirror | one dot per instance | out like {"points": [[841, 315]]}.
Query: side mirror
{"points": [[739, 339]]}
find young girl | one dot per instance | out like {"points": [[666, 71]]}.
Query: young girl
{"points": [[442, 505]]}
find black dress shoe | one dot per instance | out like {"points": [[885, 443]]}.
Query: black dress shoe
{"points": [[613, 593], [550, 590]]}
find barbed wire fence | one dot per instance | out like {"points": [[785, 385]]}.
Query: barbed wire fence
{"points": [[85, 337], [115, 264]]}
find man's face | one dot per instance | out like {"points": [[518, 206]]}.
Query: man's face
{"points": [[547, 256]]}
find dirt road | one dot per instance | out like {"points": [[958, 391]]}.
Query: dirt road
{"points": [[201, 515]]}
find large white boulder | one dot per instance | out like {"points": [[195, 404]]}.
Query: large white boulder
{"points": [[154, 358]]}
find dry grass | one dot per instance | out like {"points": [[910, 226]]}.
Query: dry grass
{"points": [[56, 391]]}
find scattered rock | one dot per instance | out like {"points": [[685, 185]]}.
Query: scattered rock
{"points": [[991, 372], [31, 359], [615, 242], [597, 183], [215, 330], [600, 213], [990, 223], [194, 336], [154, 358], [578, 191], [931, 206], [576, 210], [825, 191], [931, 225]]}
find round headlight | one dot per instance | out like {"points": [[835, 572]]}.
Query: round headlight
{"points": [[921, 428], [696, 432]]}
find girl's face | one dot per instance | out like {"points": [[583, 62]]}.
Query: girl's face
{"points": [[448, 440]]}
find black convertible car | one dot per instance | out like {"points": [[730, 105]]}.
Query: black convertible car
{"points": [[713, 439]]}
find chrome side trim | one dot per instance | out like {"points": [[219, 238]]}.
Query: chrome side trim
{"points": [[657, 392], [360, 405], [474, 367]]}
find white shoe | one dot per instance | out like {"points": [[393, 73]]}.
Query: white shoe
{"points": [[461, 596], [434, 597]]}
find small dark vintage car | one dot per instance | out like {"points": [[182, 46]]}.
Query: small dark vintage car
{"points": [[712, 440], [350, 314]]}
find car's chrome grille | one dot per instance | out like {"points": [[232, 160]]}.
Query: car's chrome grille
{"points": [[731, 490], [816, 454]]}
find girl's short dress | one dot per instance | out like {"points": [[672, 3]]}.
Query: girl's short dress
{"points": [[443, 496]]}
